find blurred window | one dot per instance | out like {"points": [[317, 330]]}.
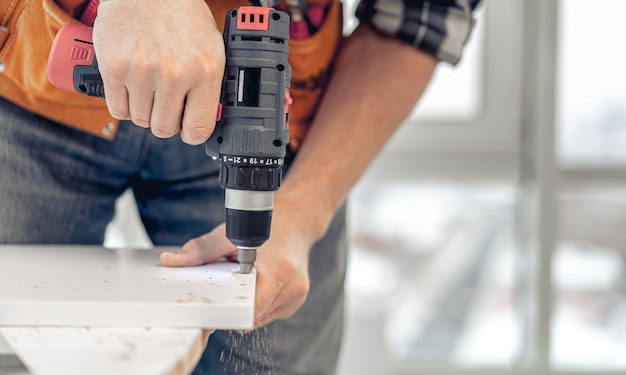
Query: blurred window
{"points": [[591, 82], [437, 264]]}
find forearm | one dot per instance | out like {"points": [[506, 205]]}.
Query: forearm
{"points": [[375, 85]]}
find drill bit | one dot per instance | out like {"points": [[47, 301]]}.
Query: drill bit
{"points": [[246, 257]]}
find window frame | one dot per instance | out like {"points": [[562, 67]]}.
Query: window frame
{"points": [[484, 146]]}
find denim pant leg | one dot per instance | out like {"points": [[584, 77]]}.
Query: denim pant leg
{"points": [[177, 191], [57, 185]]}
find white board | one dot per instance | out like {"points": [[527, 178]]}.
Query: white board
{"points": [[101, 350], [94, 286]]}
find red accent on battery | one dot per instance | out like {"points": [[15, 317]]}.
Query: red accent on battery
{"points": [[253, 18], [72, 46], [288, 102], [219, 112]]}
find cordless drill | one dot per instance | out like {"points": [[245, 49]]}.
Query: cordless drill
{"points": [[252, 131]]}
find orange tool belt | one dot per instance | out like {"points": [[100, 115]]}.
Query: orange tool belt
{"points": [[28, 27]]}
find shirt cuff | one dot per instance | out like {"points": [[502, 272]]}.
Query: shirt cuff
{"points": [[441, 28]]}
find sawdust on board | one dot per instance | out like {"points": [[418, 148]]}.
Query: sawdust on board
{"points": [[191, 297]]}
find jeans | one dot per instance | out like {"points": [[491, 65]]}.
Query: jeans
{"points": [[59, 185]]}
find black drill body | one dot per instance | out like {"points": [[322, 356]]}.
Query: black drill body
{"points": [[253, 134]]}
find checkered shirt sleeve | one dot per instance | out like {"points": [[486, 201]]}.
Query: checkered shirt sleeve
{"points": [[440, 27]]}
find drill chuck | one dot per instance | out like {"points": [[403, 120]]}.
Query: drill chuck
{"points": [[248, 221]]}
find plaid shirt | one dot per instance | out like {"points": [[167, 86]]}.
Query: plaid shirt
{"points": [[440, 27]]}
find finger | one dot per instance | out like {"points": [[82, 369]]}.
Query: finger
{"points": [[117, 100], [278, 298], [266, 299], [140, 106], [282, 305], [140, 96], [284, 311], [200, 250], [113, 69], [199, 115], [262, 319], [167, 112]]}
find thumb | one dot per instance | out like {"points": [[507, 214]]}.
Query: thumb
{"points": [[200, 250]]}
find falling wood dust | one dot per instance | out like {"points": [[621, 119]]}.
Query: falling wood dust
{"points": [[249, 351]]}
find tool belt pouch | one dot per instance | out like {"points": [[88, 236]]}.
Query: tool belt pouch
{"points": [[31, 26], [311, 61], [29, 29], [25, 43]]}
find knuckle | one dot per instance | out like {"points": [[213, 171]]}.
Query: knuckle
{"points": [[211, 65], [141, 122], [304, 288], [141, 63], [196, 132], [291, 271], [193, 246], [114, 68], [301, 292], [119, 114], [202, 250], [170, 71], [213, 68], [118, 67], [170, 77], [163, 132], [287, 265]]}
